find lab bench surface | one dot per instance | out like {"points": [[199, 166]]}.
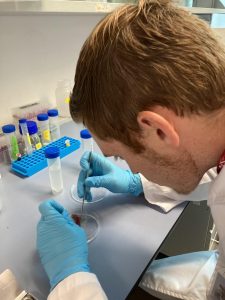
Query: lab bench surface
{"points": [[131, 230]]}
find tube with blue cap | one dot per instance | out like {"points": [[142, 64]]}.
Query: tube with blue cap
{"points": [[26, 136], [54, 165]]}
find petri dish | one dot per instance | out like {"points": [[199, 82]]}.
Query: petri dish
{"points": [[89, 223], [97, 194]]}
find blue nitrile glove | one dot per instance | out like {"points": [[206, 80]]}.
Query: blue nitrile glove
{"points": [[62, 244], [103, 173]]}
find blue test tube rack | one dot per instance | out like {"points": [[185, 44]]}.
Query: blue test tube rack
{"points": [[28, 165]]}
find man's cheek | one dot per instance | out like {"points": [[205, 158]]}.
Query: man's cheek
{"points": [[135, 168]]}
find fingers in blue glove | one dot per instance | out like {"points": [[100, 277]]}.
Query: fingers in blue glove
{"points": [[95, 163], [61, 244], [82, 188], [51, 208], [84, 162], [98, 181], [105, 174]]}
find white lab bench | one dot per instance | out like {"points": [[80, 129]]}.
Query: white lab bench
{"points": [[131, 230]]}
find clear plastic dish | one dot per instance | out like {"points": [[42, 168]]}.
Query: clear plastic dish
{"points": [[97, 194], [89, 223]]}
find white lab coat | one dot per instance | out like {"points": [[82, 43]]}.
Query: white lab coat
{"points": [[85, 286], [78, 286]]}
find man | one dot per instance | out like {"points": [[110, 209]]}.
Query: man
{"points": [[150, 87]]}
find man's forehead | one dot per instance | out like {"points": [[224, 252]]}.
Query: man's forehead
{"points": [[108, 147], [109, 151]]}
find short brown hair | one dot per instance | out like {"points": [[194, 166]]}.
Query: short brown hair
{"points": [[142, 55]]}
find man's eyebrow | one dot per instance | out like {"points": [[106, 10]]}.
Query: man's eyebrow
{"points": [[110, 155], [116, 157], [107, 155]]}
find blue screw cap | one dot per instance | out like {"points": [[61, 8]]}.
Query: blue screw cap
{"points": [[42, 117], [8, 128], [31, 126], [22, 121], [85, 134], [52, 152], [53, 112]]}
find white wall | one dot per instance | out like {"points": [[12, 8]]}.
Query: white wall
{"points": [[220, 32], [35, 52]]}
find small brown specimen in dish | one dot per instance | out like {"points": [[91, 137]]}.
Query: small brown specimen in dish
{"points": [[76, 219]]}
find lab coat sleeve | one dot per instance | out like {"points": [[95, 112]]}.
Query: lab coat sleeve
{"points": [[216, 202], [166, 198], [78, 286]]}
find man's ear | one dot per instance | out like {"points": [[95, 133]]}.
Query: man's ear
{"points": [[166, 132]]}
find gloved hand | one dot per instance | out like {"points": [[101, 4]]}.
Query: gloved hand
{"points": [[103, 173], [62, 244]]}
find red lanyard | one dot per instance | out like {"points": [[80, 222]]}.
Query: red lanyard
{"points": [[221, 163]]}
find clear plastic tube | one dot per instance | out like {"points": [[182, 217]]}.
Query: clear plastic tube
{"points": [[97, 193], [55, 175], [87, 144], [43, 125], [26, 136], [54, 124], [11, 140], [54, 167]]}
